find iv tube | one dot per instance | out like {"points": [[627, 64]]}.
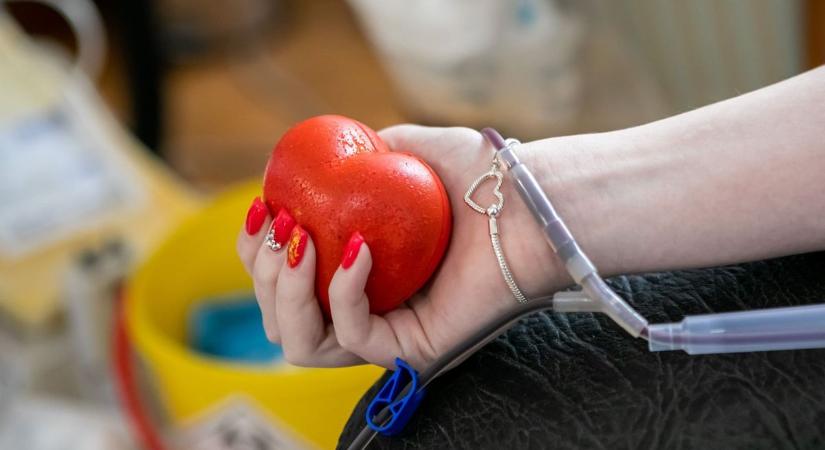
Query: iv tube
{"points": [[561, 241], [746, 331]]}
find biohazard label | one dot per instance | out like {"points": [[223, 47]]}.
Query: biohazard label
{"points": [[239, 425]]}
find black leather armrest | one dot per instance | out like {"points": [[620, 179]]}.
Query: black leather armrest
{"points": [[578, 381]]}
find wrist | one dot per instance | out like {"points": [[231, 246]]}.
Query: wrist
{"points": [[574, 173]]}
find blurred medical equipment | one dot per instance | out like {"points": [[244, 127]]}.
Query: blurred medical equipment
{"points": [[91, 289], [72, 182], [70, 176], [23, 427]]}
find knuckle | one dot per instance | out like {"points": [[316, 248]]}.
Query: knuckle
{"points": [[348, 341], [273, 335], [262, 273], [296, 357], [466, 131], [463, 133], [341, 293], [240, 247], [243, 252]]}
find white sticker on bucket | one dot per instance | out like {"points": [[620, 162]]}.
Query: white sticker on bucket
{"points": [[238, 424], [58, 176]]}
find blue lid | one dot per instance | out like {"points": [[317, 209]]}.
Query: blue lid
{"points": [[402, 409], [230, 328]]}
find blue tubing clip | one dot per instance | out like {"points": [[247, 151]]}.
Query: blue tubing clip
{"points": [[401, 409]]}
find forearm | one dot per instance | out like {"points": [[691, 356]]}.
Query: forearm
{"points": [[738, 180]]}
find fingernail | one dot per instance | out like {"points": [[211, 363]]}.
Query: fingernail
{"points": [[283, 224], [351, 250], [256, 216], [297, 245]]}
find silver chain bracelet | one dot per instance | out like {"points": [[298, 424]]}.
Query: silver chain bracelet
{"points": [[492, 212]]}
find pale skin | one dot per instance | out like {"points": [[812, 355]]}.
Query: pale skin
{"points": [[739, 180]]}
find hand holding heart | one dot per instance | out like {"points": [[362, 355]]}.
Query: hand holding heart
{"points": [[465, 291], [336, 177]]}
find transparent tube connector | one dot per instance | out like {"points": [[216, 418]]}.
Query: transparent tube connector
{"points": [[564, 245]]}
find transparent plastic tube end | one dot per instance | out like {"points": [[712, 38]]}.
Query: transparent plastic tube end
{"points": [[790, 328]]}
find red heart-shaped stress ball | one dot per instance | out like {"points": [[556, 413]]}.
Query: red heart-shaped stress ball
{"points": [[335, 176]]}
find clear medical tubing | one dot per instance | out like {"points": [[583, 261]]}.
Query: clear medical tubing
{"points": [[561, 241], [795, 327]]}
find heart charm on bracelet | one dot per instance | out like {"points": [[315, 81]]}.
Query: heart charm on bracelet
{"points": [[468, 197], [492, 212]]}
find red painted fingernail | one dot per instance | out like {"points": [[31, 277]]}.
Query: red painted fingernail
{"points": [[256, 216], [351, 250], [297, 245], [281, 226]]}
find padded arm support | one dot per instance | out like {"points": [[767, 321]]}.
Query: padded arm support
{"points": [[573, 381]]}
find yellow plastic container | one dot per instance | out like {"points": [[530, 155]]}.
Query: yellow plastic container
{"points": [[198, 261]]}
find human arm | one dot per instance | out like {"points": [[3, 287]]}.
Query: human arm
{"points": [[738, 180]]}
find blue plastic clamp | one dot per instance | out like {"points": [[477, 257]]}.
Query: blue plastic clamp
{"points": [[402, 409]]}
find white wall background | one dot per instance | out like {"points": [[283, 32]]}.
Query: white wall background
{"points": [[701, 51]]}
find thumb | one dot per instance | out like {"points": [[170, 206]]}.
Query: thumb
{"points": [[431, 144], [408, 137]]}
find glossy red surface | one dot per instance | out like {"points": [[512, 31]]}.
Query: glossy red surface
{"points": [[336, 176]]}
